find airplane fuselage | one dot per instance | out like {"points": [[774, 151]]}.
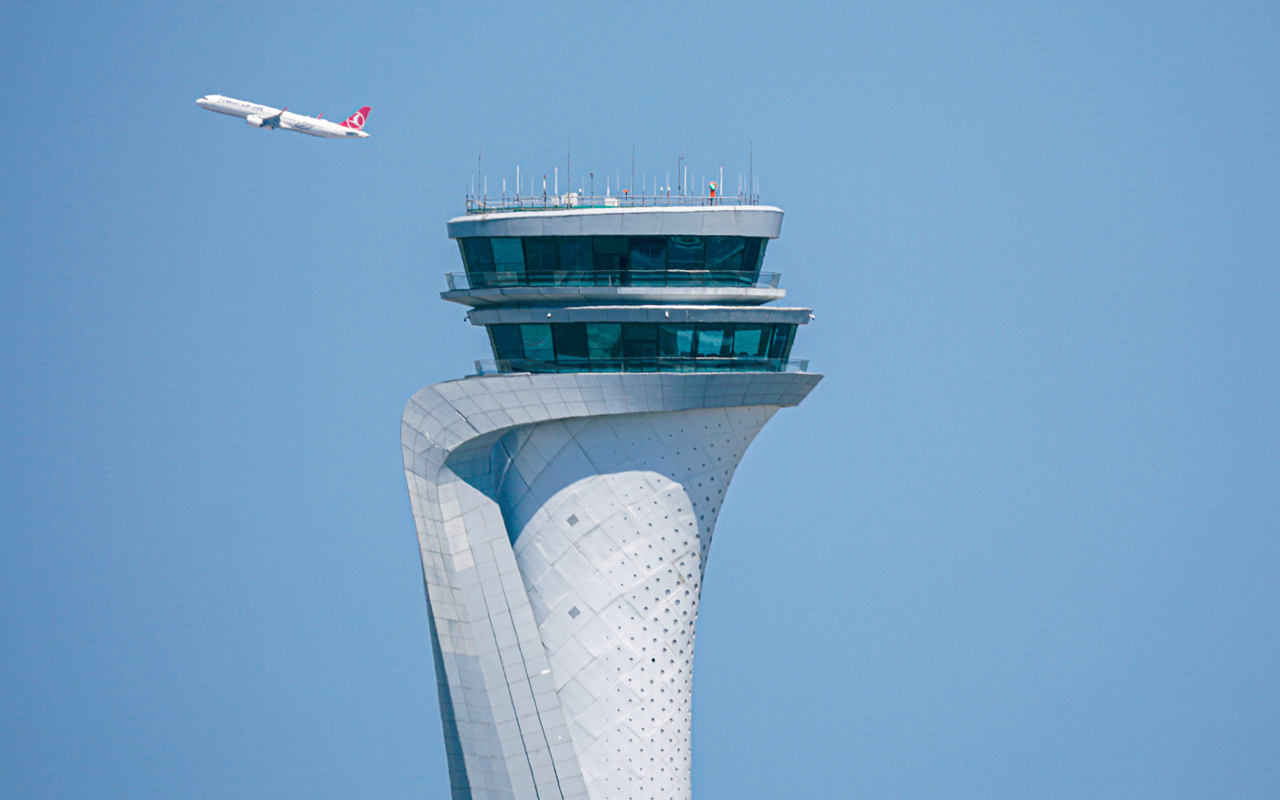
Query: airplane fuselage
{"points": [[260, 116]]}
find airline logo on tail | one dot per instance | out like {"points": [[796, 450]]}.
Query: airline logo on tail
{"points": [[356, 121]]}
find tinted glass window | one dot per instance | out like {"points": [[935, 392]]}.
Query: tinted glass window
{"points": [[575, 257], [640, 332], [477, 255], [789, 332], [617, 245], [640, 340], [541, 255], [648, 253], [724, 253], [642, 346], [613, 260], [686, 252], [752, 253], [506, 341], [751, 341], [604, 340], [781, 342], [537, 342], [611, 253], [570, 340], [675, 341], [508, 256], [715, 341]]}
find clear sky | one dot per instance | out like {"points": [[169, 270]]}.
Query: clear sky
{"points": [[1020, 543]]}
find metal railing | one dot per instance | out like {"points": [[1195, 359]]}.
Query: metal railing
{"points": [[550, 202], [461, 281], [659, 364]]}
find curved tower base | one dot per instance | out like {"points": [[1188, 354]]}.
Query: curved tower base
{"points": [[564, 522]]}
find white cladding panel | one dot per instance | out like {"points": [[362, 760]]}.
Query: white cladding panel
{"points": [[763, 221], [535, 707], [613, 518]]}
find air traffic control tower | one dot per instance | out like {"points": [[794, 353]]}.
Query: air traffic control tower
{"points": [[565, 495]]}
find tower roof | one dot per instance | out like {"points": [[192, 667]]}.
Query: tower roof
{"points": [[718, 220]]}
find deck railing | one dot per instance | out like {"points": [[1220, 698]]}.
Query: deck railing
{"points": [[461, 281], [659, 364], [550, 202]]}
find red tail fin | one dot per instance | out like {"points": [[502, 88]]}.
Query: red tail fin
{"points": [[356, 121]]}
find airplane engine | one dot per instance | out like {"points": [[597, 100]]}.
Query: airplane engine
{"points": [[253, 121]]}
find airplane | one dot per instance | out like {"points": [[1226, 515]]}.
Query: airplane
{"points": [[256, 116]]}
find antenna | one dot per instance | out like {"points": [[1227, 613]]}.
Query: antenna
{"points": [[679, 175], [593, 184], [633, 169], [568, 167], [517, 180], [555, 187], [751, 166]]}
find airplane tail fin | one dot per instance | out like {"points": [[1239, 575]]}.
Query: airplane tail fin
{"points": [[356, 121]]}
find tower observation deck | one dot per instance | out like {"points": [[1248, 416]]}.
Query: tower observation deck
{"points": [[565, 495]]}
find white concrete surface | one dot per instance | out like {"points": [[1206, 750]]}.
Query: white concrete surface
{"points": [[564, 522]]}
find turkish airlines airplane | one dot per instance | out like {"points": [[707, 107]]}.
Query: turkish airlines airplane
{"points": [[257, 116]]}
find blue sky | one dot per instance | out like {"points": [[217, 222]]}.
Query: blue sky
{"points": [[1021, 541]]}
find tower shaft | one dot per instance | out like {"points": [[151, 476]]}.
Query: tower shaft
{"points": [[564, 521]]}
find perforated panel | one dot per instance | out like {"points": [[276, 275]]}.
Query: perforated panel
{"points": [[612, 519], [589, 466]]}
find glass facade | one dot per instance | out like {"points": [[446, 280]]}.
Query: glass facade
{"points": [[612, 260], [642, 346]]}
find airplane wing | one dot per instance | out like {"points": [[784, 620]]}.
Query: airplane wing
{"points": [[274, 121]]}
